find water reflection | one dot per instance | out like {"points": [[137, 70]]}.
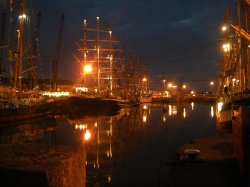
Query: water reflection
{"points": [[112, 138], [184, 113], [212, 111], [27, 131], [192, 105], [126, 149], [145, 113]]}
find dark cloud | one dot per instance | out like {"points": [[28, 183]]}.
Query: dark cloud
{"points": [[175, 37]]}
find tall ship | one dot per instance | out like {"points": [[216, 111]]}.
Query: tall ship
{"points": [[19, 52], [233, 113], [108, 72], [20, 95], [234, 79]]}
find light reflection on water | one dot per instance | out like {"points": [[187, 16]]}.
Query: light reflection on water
{"points": [[127, 149]]}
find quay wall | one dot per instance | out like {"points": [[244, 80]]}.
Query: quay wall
{"points": [[42, 165]]}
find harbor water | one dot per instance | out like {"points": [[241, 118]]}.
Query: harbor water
{"points": [[129, 149]]}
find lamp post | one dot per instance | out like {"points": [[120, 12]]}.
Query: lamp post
{"points": [[212, 85], [163, 86], [144, 81], [111, 61]]}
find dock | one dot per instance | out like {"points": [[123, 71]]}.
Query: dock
{"points": [[214, 165]]}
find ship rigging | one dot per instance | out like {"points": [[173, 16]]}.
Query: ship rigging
{"points": [[235, 74], [106, 67]]}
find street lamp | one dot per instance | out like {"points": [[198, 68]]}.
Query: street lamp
{"points": [[212, 85], [86, 69], [224, 28], [144, 85], [226, 47]]}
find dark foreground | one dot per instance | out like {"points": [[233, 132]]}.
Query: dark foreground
{"points": [[215, 165], [41, 165]]}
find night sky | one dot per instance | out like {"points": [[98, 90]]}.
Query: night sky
{"points": [[176, 38]]}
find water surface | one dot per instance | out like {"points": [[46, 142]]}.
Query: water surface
{"points": [[130, 149]]}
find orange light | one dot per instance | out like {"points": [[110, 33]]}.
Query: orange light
{"points": [[87, 135], [87, 68], [224, 28]]}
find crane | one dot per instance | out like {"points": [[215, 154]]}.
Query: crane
{"points": [[57, 55]]}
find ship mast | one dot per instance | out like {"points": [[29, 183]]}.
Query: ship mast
{"points": [[55, 61], [3, 32], [99, 50], [235, 77], [19, 62], [98, 53]]}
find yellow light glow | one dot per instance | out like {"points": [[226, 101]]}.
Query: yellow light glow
{"points": [[219, 106], [211, 83], [81, 89], [109, 178], [224, 28], [56, 94], [23, 16], [174, 111], [87, 68], [81, 126], [184, 113], [170, 85], [87, 135], [184, 86], [145, 107], [192, 105], [212, 111], [169, 110], [226, 47], [144, 119], [144, 79], [164, 119]]}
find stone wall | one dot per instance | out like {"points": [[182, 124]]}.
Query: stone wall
{"points": [[42, 165]]}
